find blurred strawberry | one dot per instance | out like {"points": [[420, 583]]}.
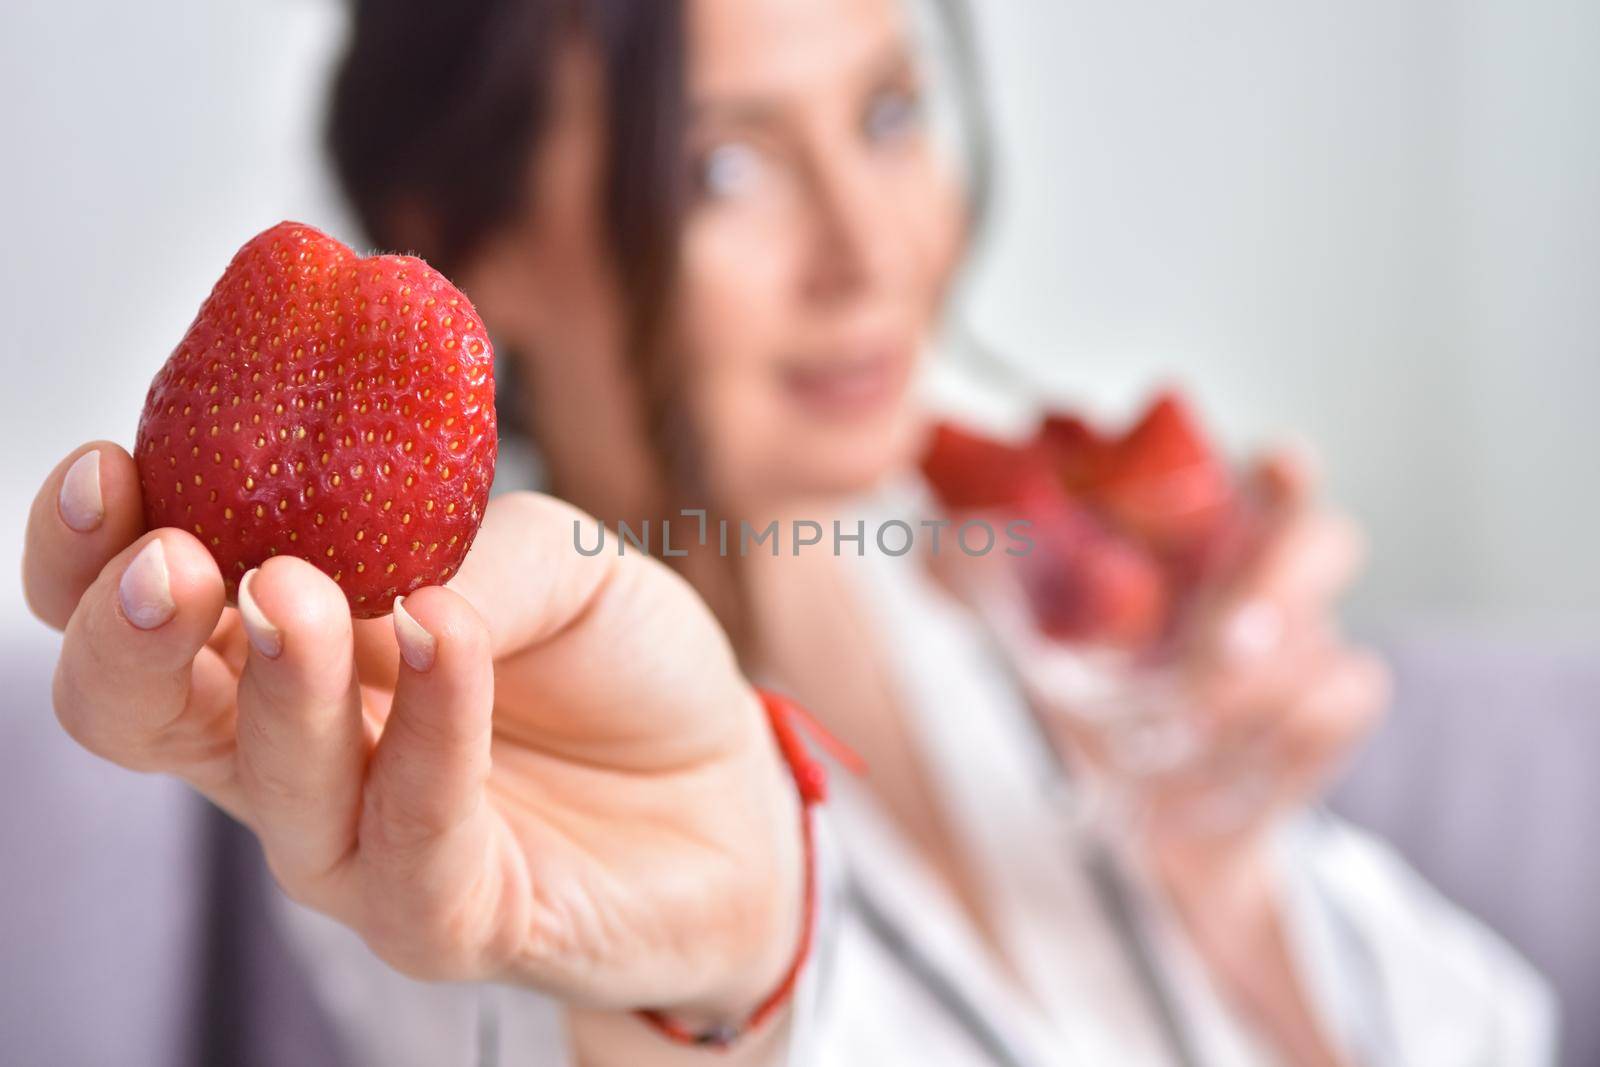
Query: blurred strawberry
{"points": [[1125, 528], [1078, 451], [1085, 583], [1162, 481], [973, 473]]}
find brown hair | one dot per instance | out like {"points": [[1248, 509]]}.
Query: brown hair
{"points": [[437, 111]]}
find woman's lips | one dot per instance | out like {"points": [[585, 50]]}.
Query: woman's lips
{"points": [[851, 386]]}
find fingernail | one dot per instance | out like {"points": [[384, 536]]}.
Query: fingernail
{"points": [[267, 638], [145, 590], [82, 507], [1253, 633], [416, 644]]}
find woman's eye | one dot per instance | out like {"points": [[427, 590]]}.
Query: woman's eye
{"points": [[729, 170], [891, 114]]}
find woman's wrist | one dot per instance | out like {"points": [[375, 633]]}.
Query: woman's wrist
{"points": [[601, 1038], [744, 1015], [777, 924], [1231, 882], [760, 988], [1231, 901]]}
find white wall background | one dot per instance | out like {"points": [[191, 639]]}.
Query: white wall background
{"points": [[1373, 224]]}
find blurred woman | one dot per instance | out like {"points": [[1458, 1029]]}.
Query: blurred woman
{"points": [[715, 243]]}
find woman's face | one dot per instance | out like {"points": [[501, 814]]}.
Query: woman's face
{"points": [[824, 225], [822, 228]]}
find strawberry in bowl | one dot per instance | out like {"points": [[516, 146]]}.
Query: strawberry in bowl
{"points": [[1126, 528], [1129, 531]]}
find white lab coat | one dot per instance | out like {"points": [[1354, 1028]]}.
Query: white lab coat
{"points": [[1399, 976]]}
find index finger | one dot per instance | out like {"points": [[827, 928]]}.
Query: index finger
{"points": [[1300, 557], [88, 510], [1285, 478]]}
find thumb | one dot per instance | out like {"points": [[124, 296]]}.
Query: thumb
{"points": [[608, 657]]}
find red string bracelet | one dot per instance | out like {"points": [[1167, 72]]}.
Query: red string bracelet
{"points": [[811, 780]]}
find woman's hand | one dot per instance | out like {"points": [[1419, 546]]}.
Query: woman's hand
{"points": [[1276, 700], [1280, 698], [556, 776]]}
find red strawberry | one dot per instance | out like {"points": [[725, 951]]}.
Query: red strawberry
{"points": [[969, 472], [1077, 449], [1162, 480], [330, 407], [1086, 583]]}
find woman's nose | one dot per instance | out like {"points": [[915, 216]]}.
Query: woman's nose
{"points": [[855, 250]]}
